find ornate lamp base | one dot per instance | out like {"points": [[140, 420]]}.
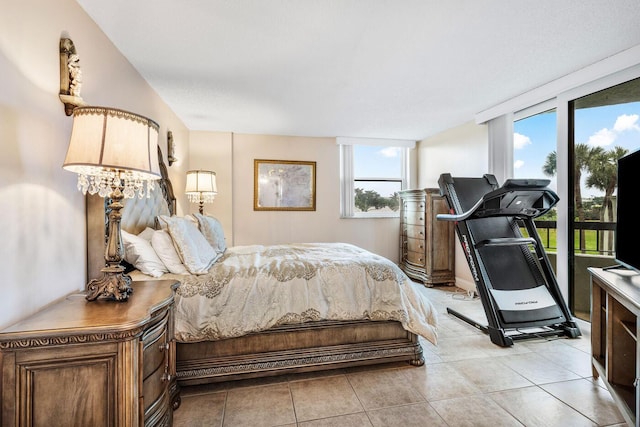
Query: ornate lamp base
{"points": [[114, 285]]}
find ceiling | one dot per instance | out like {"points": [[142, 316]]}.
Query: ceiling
{"points": [[403, 69]]}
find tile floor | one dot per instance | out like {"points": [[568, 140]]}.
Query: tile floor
{"points": [[466, 381]]}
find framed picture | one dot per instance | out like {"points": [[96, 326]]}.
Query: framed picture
{"points": [[283, 185]]}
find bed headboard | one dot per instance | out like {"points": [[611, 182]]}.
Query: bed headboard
{"points": [[137, 214]]}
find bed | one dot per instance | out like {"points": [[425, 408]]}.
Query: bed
{"points": [[305, 325]]}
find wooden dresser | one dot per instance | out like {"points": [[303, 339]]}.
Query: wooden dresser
{"points": [[100, 363], [427, 248], [615, 314]]}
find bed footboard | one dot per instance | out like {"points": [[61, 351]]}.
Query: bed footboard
{"points": [[297, 348]]}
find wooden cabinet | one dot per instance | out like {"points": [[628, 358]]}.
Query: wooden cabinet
{"points": [[100, 363], [615, 310], [426, 244]]}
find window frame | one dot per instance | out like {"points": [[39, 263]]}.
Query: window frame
{"points": [[347, 178]]}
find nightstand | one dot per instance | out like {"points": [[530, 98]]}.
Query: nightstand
{"points": [[99, 363]]}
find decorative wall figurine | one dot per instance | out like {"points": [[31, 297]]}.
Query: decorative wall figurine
{"points": [[171, 148], [70, 76]]}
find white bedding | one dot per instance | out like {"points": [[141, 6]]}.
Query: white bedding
{"points": [[253, 288]]}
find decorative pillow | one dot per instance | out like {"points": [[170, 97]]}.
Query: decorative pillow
{"points": [[194, 250], [161, 223], [212, 230], [163, 245], [139, 253], [147, 233]]}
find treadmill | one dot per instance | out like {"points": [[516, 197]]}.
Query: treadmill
{"points": [[512, 273]]}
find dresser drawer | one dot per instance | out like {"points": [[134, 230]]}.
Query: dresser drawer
{"points": [[413, 217], [415, 245], [416, 258], [155, 361], [415, 231], [413, 205], [155, 355], [154, 387], [155, 347]]}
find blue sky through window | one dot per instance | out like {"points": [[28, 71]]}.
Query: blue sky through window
{"points": [[607, 127], [378, 162]]}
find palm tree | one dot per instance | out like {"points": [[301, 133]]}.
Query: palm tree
{"points": [[582, 158], [550, 164], [603, 175]]}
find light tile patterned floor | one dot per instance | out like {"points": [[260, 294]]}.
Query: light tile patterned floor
{"points": [[466, 381]]}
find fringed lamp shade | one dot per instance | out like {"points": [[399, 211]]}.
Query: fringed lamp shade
{"points": [[201, 187], [115, 155], [107, 144]]}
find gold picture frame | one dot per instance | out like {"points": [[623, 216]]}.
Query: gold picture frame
{"points": [[284, 185]]}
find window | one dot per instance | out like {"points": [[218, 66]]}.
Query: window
{"points": [[534, 147], [373, 172], [606, 126], [534, 157]]}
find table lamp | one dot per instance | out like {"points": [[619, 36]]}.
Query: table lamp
{"points": [[114, 153], [201, 187]]}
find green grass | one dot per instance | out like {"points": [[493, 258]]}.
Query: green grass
{"points": [[549, 240]]}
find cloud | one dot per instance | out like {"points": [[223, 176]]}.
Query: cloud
{"points": [[519, 140], [626, 122], [518, 164], [390, 152], [605, 137], [602, 138]]}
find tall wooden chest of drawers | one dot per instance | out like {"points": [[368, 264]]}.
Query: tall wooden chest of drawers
{"points": [[427, 251], [100, 363]]}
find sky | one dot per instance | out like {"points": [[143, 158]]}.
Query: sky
{"points": [[607, 127], [378, 162]]}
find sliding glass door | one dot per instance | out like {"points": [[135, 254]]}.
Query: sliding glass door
{"points": [[603, 126]]}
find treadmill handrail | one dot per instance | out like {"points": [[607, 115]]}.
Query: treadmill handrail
{"points": [[463, 215], [507, 241]]}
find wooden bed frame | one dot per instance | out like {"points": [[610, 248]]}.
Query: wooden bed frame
{"points": [[284, 349]]}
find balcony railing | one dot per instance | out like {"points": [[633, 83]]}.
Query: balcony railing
{"points": [[591, 237]]}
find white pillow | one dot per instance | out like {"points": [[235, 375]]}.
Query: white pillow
{"points": [[194, 250], [147, 233], [163, 245], [212, 230], [161, 222], [139, 253]]}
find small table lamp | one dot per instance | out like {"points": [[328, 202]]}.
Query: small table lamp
{"points": [[115, 155], [201, 187]]}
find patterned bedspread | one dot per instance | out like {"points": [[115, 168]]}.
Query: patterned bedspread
{"points": [[253, 288]]}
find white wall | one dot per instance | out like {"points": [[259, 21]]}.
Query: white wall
{"points": [[42, 222], [460, 151], [213, 151], [379, 235]]}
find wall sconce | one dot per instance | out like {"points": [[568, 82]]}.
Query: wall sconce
{"points": [[70, 77], [171, 149], [201, 187], [115, 154]]}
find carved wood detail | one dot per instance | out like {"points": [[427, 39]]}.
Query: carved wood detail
{"points": [[93, 364], [73, 339]]}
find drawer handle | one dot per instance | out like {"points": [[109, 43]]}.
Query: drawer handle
{"points": [[166, 377], [421, 233], [421, 219], [164, 347]]}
